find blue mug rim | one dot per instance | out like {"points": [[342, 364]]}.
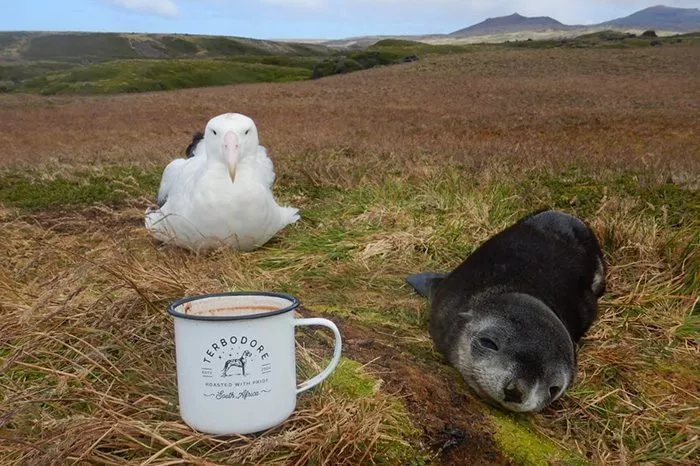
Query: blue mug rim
{"points": [[172, 306]]}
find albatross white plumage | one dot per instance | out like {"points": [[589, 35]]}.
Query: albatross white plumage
{"points": [[221, 194]]}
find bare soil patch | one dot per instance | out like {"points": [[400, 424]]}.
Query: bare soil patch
{"points": [[453, 423]]}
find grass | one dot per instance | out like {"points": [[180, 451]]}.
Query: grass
{"points": [[119, 76], [408, 47], [393, 175], [386, 228], [93, 46], [12, 75], [607, 39], [84, 46], [154, 75], [86, 63], [32, 191], [526, 447], [99, 63]]}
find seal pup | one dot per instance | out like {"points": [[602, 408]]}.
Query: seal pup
{"points": [[509, 317]]}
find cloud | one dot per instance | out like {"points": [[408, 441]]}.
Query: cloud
{"points": [[158, 7]]}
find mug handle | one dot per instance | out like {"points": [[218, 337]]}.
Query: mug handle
{"points": [[312, 382]]}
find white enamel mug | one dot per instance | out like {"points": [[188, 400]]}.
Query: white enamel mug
{"points": [[236, 360]]}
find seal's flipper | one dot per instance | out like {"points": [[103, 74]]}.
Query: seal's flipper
{"points": [[425, 283]]}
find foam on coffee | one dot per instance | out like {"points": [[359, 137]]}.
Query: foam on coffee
{"points": [[234, 306]]}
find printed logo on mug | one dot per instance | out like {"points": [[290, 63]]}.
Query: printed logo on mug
{"points": [[236, 360]]}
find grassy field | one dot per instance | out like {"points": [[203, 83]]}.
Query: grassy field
{"points": [[395, 170], [91, 63], [101, 63], [80, 47]]}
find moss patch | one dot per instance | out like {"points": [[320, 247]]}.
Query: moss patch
{"points": [[525, 447], [350, 380]]}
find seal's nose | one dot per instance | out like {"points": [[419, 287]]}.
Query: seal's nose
{"points": [[513, 393], [554, 391]]}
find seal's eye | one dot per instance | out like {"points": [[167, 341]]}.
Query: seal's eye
{"points": [[488, 343], [214, 131]]}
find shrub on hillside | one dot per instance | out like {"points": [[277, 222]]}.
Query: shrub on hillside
{"points": [[6, 86]]}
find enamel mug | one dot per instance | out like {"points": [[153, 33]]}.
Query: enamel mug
{"points": [[236, 360]]}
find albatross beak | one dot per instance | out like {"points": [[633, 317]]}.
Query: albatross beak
{"points": [[231, 149]]}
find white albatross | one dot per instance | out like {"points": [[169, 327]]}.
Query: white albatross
{"points": [[221, 195]]}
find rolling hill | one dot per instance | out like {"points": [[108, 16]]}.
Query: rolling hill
{"points": [[91, 47], [660, 17], [104, 63], [511, 23], [93, 63], [666, 20]]}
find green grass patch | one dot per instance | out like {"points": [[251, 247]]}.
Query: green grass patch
{"points": [[21, 71], [12, 75], [582, 193], [81, 46], [228, 46], [606, 39], [408, 47], [307, 63], [387, 316], [526, 447], [156, 75], [10, 38], [690, 328], [177, 46], [99, 47], [29, 191], [363, 60], [349, 379], [106, 63]]}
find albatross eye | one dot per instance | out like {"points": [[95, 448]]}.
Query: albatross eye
{"points": [[247, 131], [214, 131]]}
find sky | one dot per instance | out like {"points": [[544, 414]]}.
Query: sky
{"points": [[300, 19]]}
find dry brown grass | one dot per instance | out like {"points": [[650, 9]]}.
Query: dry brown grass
{"points": [[431, 158], [87, 371], [591, 108]]}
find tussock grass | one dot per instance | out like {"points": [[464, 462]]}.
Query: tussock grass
{"points": [[88, 362], [86, 293]]}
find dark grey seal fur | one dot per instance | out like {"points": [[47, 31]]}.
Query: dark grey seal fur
{"points": [[509, 317]]}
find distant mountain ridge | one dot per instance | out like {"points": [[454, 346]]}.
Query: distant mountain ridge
{"points": [[76, 46], [507, 24], [516, 27], [660, 17], [656, 17]]}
